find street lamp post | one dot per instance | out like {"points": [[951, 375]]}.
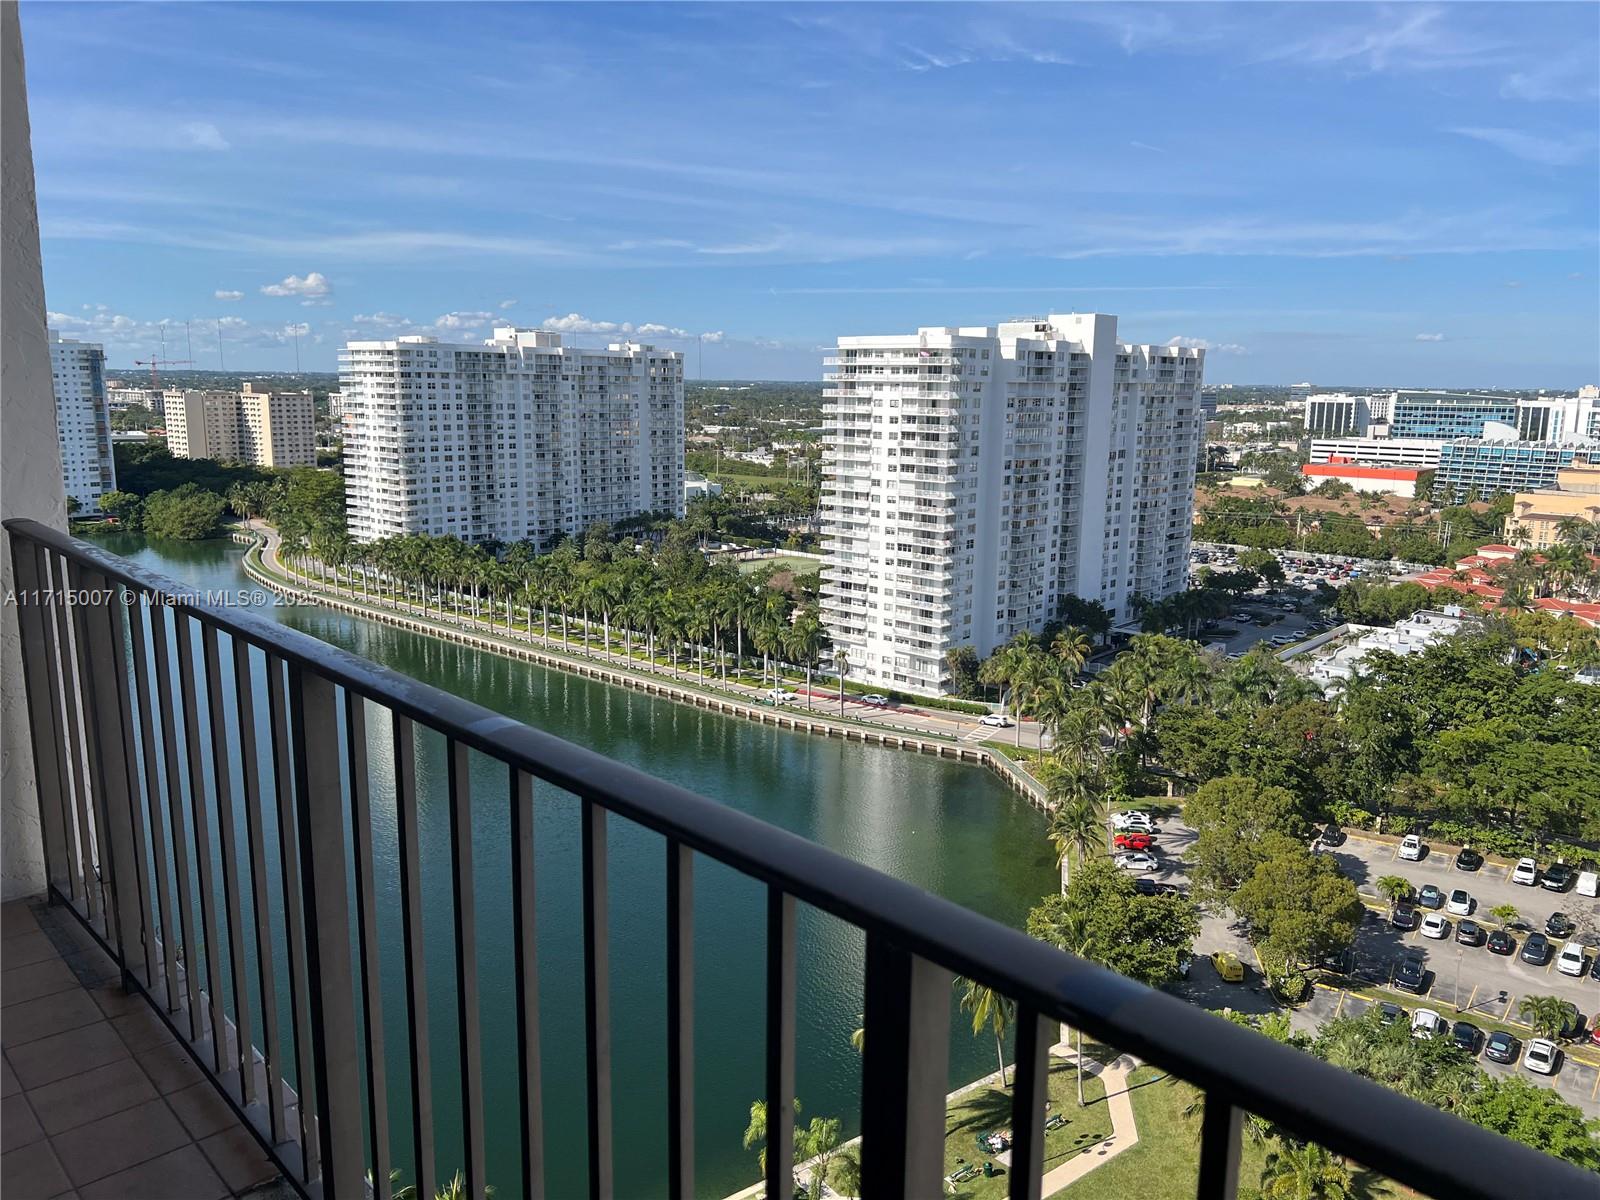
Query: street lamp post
{"points": [[1459, 953]]}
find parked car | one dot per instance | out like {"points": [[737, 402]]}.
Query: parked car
{"points": [[1588, 883], [1594, 1034], [1559, 925], [1435, 926], [1332, 836], [1135, 821], [1146, 887], [779, 696], [1229, 968], [1501, 1047], [1468, 860], [1571, 960], [1410, 973], [1501, 942], [1469, 933], [1430, 896], [1542, 1056], [1557, 876], [1460, 902], [1133, 841], [1466, 1036], [998, 720], [876, 699], [1410, 848], [1140, 861], [1526, 872], [1425, 1023], [1536, 949], [1389, 1013], [1404, 917]]}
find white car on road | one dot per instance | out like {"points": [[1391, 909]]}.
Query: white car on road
{"points": [[1526, 872], [1541, 1056], [1410, 848], [780, 696], [1570, 961], [1435, 926], [998, 720], [1139, 861], [1132, 822]]}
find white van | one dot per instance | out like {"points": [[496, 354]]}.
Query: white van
{"points": [[1588, 883]]}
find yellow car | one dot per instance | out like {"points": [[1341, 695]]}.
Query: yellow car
{"points": [[1228, 966]]}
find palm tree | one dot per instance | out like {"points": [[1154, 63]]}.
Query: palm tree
{"points": [[846, 1178], [1077, 824], [988, 1008], [841, 664], [1504, 914], [1548, 1015], [1305, 1171], [804, 643], [755, 1133], [1394, 888], [858, 1036], [1072, 647]]}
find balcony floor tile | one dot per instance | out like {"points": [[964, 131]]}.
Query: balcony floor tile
{"points": [[97, 1094]]}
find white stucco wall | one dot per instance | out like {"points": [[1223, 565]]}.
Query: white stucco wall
{"points": [[30, 456]]}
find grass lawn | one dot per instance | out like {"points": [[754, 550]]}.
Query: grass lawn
{"points": [[785, 562], [1163, 1165], [989, 1108]]}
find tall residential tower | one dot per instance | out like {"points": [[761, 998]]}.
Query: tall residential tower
{"points": [[83, 420], [518, 437], [260, 426], [976, 476]]}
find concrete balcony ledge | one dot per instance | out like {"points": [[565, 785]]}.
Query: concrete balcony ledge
{"points": [[100, 1102]]}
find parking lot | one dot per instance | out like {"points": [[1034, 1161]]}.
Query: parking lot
{"points": [[1485, 987]]}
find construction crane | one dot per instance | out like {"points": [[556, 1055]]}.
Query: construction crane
{"points": [[158, 361]]}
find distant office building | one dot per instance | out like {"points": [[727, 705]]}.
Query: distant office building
{"points": [[1449, 414], [1477, 465], [974, 476], [335, 406], [83, 421], [517, 437], [1421, 453], [1536, 517], [1335, 414], [1558, 419], [266, 428], [1208, 405]]}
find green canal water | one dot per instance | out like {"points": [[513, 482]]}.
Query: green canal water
{"points": [[954, 830]]}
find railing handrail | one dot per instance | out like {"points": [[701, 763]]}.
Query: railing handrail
{"points": [[1373, 1125]]}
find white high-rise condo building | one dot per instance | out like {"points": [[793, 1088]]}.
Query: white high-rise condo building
{"points": [[267, 428], [517, 437], [975, 476], [83, 420]]}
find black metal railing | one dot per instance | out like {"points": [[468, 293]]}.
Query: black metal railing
{"points": [[108, 710]]}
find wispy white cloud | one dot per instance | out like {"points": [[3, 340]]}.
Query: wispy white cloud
{"points": [[1195, 343], [225, 294], [1147, 146], [1410, 37], [312, 284], [1430, 337], [505, 304], [1552, 152], [203, 135]]}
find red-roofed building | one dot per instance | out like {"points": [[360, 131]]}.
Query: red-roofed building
{"points": [[1393, 481], [1477, 575]]}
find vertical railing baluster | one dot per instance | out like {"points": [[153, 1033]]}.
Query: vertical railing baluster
{"points": [[526, 967], [105, 737], [1028, 1094], [405, 787], [905, 1073], [131, 830], [780, 1044], [324, 883], [232, 892], [1221, 1127], [200, 816], [289, 867], [355, 728], [597, 994], [466, 929], [49, 761], [680, 1021], [255, 838], [153, 781], [175, 807], [77, 754]]}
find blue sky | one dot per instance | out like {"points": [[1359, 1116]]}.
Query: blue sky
{"points": [[1343, 193]]}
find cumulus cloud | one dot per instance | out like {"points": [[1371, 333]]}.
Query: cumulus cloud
{"points": [[379, 320], [313, 284], [137, 336], [203, 135], [712, 338], [1430, 337], [505, 304], [462, 320], [224, 294], [578, 323], [1194, 343]]}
